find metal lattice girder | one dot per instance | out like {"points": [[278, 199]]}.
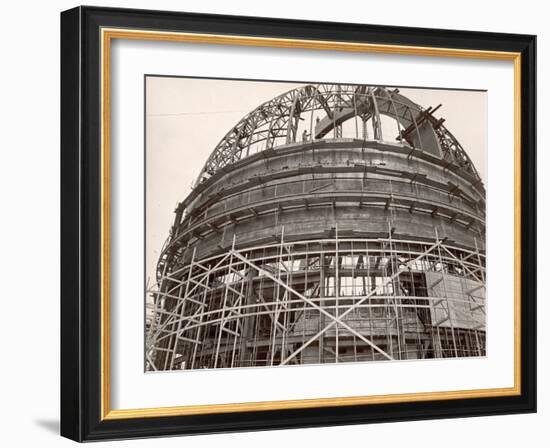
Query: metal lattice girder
{"points": [[276, 120]]}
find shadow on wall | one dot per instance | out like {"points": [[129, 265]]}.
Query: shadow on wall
{"points": [[48, 425]]}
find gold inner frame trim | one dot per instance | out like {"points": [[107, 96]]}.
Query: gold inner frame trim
{"points": [[107, 35]]}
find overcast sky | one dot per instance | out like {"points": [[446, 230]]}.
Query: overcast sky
{"points": [[186, 118]]}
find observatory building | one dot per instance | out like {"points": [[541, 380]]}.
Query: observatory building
{"points": [[333, 223]]}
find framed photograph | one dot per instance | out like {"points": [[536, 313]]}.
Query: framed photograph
{"points": [[276, 224]]}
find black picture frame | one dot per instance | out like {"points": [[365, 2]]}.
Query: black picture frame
{"points": [[81, 209]]}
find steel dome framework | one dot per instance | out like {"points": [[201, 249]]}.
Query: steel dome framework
{"points": [[313, 235]]}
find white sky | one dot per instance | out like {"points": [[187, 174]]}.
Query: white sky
{"points": [[186, 118]]}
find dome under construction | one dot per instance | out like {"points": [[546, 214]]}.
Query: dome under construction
{"points": [[333, 223]]}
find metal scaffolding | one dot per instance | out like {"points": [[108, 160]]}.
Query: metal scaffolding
{"points": [[320, 301]]}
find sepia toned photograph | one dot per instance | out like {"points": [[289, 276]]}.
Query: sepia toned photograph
{"points": [[312, 223]]}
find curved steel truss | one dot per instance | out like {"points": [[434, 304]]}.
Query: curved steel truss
{"points": [[319, 111]]}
